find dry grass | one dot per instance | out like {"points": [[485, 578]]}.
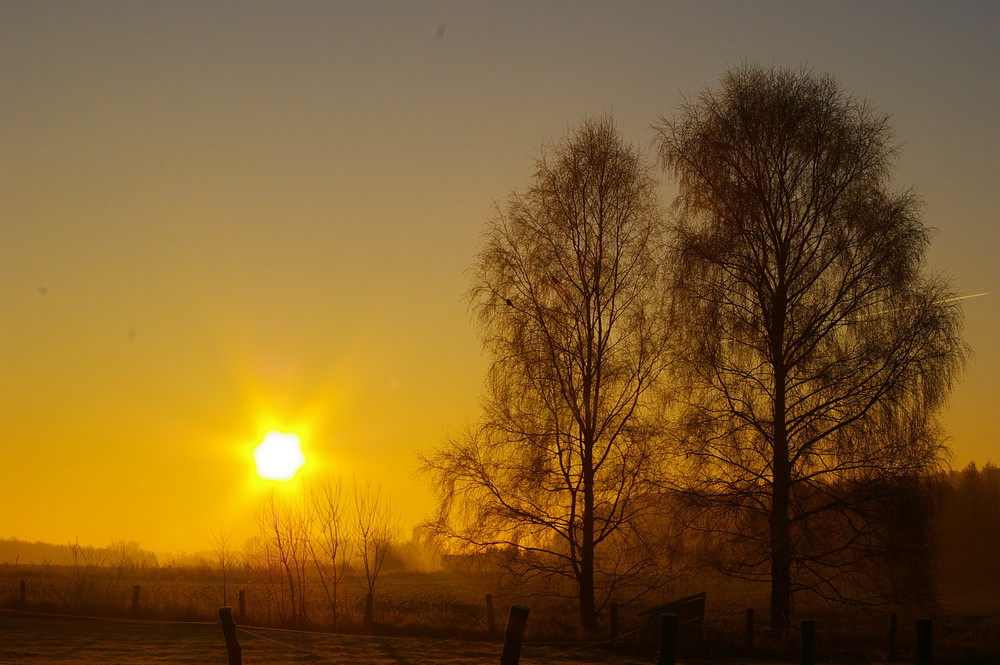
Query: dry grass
{"points": [[433, 606], [36, 639]]}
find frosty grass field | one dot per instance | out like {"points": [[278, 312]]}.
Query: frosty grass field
{"points": [[34, 639]]}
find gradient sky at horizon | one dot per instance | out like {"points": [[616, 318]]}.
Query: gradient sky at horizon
{"points": [[218, 219]]}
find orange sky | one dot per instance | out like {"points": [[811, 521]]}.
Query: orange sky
{"points": [[221, 218]]}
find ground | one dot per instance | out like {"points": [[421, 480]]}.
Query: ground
{"points": [[29, 638]]}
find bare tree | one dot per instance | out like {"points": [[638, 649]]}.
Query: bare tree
{"points": [[85, 565], [329, 545], [260, 564], [817, 351], [566, 292], [375, 531], [124, 562], [282, 555], [223, 549]]}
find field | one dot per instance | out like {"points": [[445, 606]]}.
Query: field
{"points": [[417, 613], [43, 639]]}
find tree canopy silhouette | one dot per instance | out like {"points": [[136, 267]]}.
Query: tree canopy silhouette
{"points": [[568, 295], [816, 349]]}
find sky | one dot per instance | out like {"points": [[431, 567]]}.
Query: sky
{"points": [[219, 219]]}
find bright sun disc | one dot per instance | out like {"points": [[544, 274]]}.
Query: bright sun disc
{"points": [[278, 456]]}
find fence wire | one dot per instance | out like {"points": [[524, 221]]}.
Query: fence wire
{"points": [[149, 622], [325, 657]]}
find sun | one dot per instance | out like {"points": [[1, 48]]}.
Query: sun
{"points": [[279, 456]]}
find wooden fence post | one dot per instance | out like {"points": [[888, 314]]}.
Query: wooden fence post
{"points": [[893, 628], [923, 641], [491, 621], [807, 642], [22, 595], [135, 599], [614, 620], [243, 606], [233, 649], [749, 634], [668, 640], [513, 636]]}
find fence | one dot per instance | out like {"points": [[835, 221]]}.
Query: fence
{"points": [[666, 653], [673, 638], [62, 634]]}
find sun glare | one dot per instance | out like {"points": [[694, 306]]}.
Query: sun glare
{"points": [[279, 456]]}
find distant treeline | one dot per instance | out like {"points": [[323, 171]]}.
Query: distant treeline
{"points": [[118, 553], [409, 556], [969, 523]]}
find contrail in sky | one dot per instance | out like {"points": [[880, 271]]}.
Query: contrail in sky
{"points": [[936, 302], [956, 299]]}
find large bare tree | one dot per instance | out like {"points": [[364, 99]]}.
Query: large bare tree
{"points": [[817, 349], [567, 293]]}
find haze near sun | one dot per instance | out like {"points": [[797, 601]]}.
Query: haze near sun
{"points": [[279, 456]]}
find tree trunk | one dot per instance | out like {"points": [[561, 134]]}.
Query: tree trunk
{"points": [[588, 606], [779, 523], [369, 617], [781, 559]]}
